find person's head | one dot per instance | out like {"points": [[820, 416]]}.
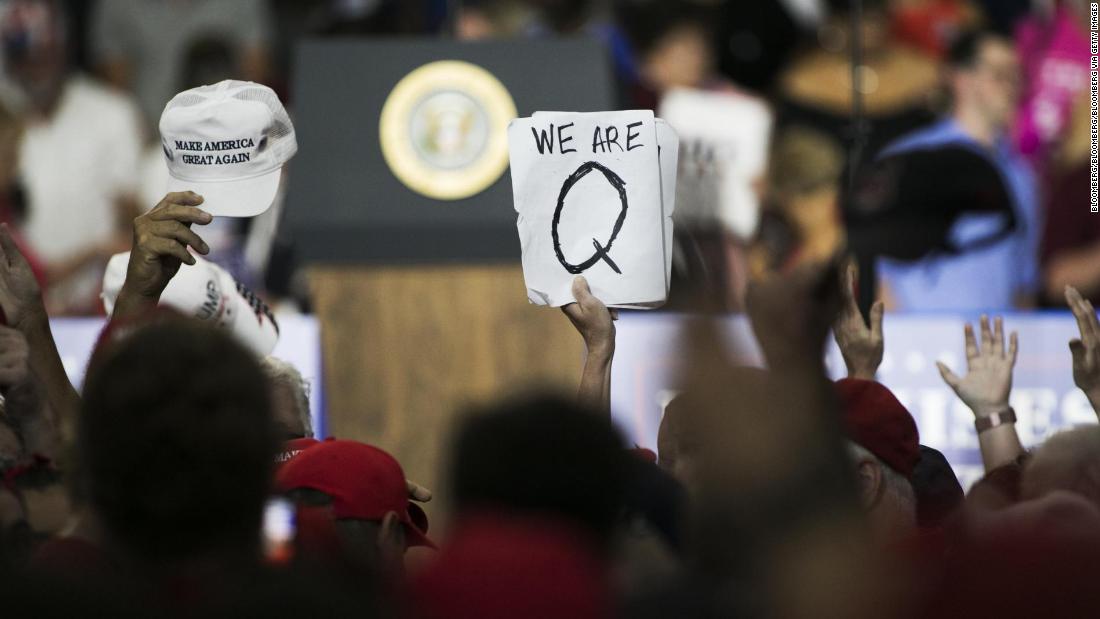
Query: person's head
{"points": [[365, 490], [884, 448], [676, 449], [540, 455], [1068, 461], [672, 43], [34, 34], [874, 26], [885, 494], [208, 60], [176, 443], [984, 78], [289, 399], [685, 427], [803, 181]]}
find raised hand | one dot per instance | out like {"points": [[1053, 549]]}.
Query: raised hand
{"points": [[161, 239], [20, 294], [791, 313], [418, 493], [860, 345], [591, 318], [988, 380], [1086, 350]]}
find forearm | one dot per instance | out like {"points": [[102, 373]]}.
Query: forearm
{"points": [[131, 304], [999, 446], [38, 426], [60, 397], [595, 388], [861, 370]]}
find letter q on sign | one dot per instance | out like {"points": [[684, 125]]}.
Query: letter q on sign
{"points": [[601, 250]]}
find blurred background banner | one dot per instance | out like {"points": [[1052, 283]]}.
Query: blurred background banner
{"points": [[299, 344], [1043, 394], [399, 160]]}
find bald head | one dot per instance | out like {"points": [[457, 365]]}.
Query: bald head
{"points": [[1067, 461]]}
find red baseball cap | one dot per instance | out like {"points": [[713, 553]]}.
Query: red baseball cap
{"points": [[293, 447], [364, 482], [875, 420]]}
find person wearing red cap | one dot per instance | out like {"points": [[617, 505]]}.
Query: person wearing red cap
{"points": [[504, 566], [884, 443], [290, 406], [367, 495]]}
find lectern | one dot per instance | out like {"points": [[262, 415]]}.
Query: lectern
{"points": [[400, 206]]}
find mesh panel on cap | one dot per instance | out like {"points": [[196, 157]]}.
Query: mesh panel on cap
{"points": [[186, 99], [280, 128]]}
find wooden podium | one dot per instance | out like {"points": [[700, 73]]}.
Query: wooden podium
{"points": [[407, 348], [421, 299]]}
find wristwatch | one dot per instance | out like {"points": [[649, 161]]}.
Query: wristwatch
{"points": [[981, 424]]}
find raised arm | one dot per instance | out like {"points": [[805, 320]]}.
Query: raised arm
{"points": [[860, 345], [596, 325], [1086, 350], [21, 300], [985, 390], [161, 239], [23, 402]]}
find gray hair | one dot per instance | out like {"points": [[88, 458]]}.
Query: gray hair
{"points": [[898, 489], [281, 373], [1068, 461]]}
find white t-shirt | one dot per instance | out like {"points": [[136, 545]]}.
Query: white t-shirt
{"points": [[75, 165]]}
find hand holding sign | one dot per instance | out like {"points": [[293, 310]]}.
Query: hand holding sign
{"points": [[591, 318], [593, 195]]}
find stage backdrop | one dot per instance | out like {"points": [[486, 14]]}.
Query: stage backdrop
{"points": [[1043, 393], [299, 344]]}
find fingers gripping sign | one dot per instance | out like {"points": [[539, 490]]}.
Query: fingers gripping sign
{"points": [[591, 318]]}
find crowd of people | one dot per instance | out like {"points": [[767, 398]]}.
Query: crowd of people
{"points": [[185, 480], [184, 477], [83, 84]]}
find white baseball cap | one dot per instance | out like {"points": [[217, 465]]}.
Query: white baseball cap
{"points": [[207, 292], [228, 143]]}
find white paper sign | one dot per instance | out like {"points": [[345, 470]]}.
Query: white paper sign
{"points": [[594, 194], [725, 149]]}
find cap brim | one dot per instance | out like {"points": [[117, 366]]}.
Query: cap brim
{"points": [[416, 525], [239, 198]]}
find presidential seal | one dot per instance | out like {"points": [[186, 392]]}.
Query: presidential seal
{"points": [[444, 129]]}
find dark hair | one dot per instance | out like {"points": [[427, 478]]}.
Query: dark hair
{"points": [[845, 7], [177, 441], [541, 455], [967, 47], [647, 22]]}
